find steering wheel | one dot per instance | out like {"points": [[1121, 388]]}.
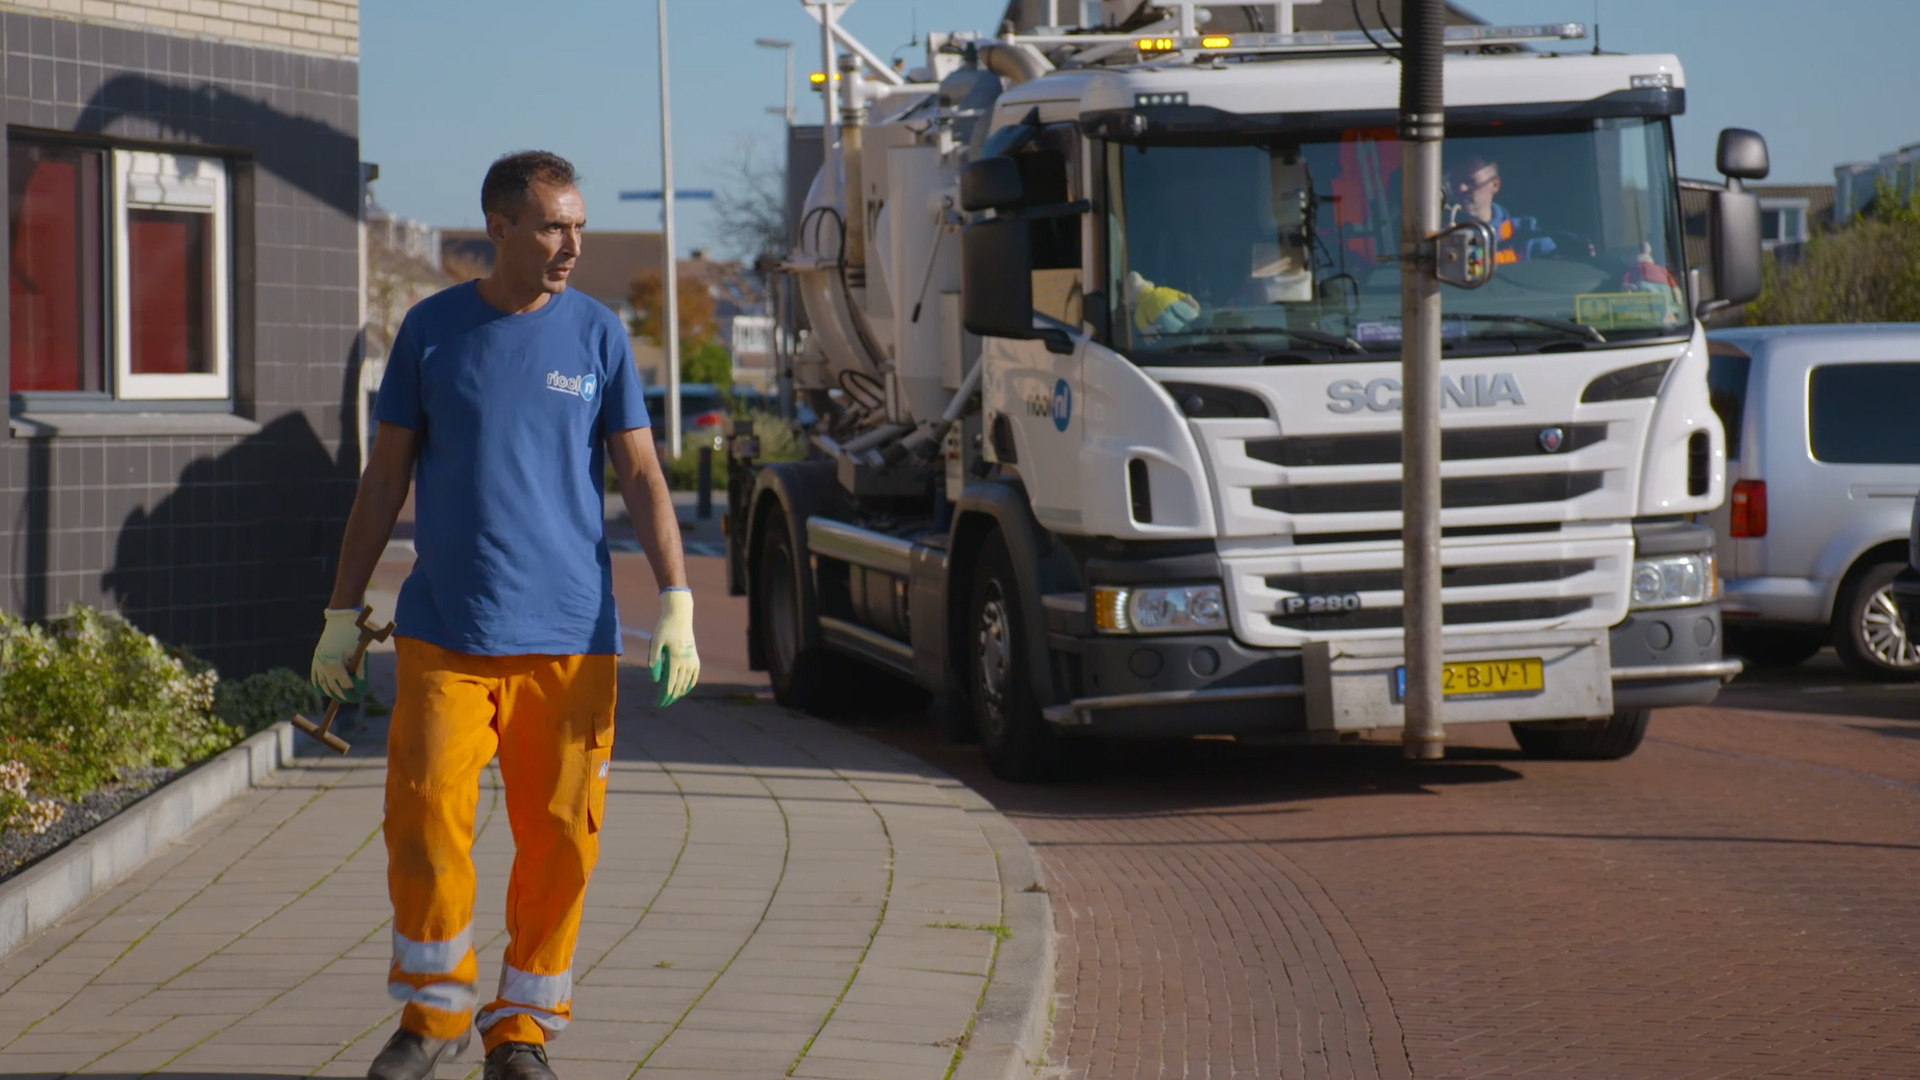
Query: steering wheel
{"points": [[1567, 246]]}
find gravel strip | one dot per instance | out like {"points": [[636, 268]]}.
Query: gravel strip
{"points": [[19, 850]]}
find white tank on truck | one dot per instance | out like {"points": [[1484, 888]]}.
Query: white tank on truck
{"points": [[1101, 358]]}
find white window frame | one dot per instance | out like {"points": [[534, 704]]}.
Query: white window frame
{"points": [[1768, 243], [148, 180]]}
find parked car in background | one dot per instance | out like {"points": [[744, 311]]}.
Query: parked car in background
{"points": [[705, 409], [1823, 468]]}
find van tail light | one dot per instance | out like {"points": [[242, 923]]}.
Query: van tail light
{"points": [[1749, 508], [710, 420]]}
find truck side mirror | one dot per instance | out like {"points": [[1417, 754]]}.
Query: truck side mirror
{"points": [[991, 183], [1742, 154], [996, 278], [1734, 224]]}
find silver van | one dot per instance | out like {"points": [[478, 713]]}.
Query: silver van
{"points": [[1823, 466]]}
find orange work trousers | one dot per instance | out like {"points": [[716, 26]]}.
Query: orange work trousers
{"points": [[550, 718]]}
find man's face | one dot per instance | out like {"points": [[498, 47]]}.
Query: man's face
{"points": [[1475, 191], [537, 247]]}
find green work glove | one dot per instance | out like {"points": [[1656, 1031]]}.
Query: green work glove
{"points": [[675, 662], [337, 642]]}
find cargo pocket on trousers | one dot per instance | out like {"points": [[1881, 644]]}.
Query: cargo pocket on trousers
{"points": [[597, 791], [600, 761]]}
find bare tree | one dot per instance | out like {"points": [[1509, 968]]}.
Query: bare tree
{"points": [[750, 205], [401, 272]]}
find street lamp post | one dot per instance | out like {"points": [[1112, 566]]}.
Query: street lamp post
{"points": [[670, 302], [776, 43]]}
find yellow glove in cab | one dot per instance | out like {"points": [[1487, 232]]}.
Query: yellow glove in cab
{"points": [[674, 660], [337, 642]]}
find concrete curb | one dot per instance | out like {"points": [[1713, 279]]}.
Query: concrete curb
{"points": [[1009, 1036], [118, 846]]}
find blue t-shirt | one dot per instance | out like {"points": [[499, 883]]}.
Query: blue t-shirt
{"points": [[513, 413]]}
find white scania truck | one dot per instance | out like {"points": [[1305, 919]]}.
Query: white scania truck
{"points": [[1102, 340]]}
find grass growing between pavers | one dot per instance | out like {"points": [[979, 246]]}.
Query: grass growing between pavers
{"points": [[1000, 931]]}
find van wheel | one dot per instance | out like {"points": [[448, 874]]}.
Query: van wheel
{"points": [[1868, 632], [1018, 744], [1574, 740], [801, 678], [1773, 649]]}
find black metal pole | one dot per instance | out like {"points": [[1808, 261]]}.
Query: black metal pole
{"points": [[705, 509]]}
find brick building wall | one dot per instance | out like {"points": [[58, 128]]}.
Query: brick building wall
{"points": [[320, 26], [212, 524]]}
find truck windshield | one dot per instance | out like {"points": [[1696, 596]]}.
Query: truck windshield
{"points": [[1275, 247]]}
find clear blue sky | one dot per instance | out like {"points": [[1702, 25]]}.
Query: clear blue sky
{"points": [[447, 85]]}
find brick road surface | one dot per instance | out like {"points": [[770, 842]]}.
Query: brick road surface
{"points": [[1733, 901], [775, 897]]}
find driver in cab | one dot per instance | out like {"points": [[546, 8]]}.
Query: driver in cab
{"points": [[1471, 183]]}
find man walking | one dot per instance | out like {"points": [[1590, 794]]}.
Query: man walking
{"points": [[504, 398]]}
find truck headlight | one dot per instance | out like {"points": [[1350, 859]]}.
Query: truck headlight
{"points": [[1675, 580], [1173, 609]]}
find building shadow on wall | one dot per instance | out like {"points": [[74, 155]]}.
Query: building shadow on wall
{"points": [[312, 155], [236, 562]]}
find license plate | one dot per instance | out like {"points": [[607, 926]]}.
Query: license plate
{"points": [[1458, 677]]}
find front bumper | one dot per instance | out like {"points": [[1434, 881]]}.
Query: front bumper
{"points": [[1213, 685]]}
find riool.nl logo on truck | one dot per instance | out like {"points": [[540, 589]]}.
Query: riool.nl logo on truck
{"points": [[1059, 407]]}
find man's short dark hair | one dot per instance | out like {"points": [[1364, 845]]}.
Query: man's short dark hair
{"points": [[504, 190]]}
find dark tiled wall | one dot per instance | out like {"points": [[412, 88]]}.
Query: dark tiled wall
{"points": [[222, 544]]}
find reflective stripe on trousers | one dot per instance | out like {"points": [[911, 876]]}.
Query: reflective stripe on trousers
{"points": [[438, 980], [546, 999]]}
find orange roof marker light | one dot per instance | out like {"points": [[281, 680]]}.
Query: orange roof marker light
{"points": [[1216, 41], [1155, 44]]}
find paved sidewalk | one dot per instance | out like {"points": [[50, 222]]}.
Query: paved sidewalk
{"points": [[776, 896]]}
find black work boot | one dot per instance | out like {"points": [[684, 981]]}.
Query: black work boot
{"points": [[518, 1061], [408, 1056]]}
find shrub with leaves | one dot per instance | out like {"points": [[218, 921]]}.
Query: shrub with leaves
{"points": [[86, 696], [1868, 271], [260, 701]]}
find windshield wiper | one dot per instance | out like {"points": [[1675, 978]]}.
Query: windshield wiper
{"points": [[1312, 337], [1572, 329]]}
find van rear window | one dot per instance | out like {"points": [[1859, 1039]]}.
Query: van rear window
{"points": [[1727, 390], [1865, 414]]}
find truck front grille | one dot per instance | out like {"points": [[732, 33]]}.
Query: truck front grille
{"points": [[1451, 577], [1462, 614], [1383, 448], [1455, 493]]}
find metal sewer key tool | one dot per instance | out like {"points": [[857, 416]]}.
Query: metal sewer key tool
{"points": [[368, 635]]}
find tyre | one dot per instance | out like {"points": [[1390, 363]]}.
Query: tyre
{"points": [[802, 678], [1773, 649], [1868, 632], [1573, 740], [1018, 744]]}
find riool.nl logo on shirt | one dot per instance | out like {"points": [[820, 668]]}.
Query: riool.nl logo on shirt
{"points": [[580, 386]]}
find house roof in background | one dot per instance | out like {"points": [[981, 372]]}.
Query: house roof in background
{"points": [[1820, 199], [608, 258]]}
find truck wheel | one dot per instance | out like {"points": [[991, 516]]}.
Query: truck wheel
{"points": [[1573, 740], [1018, 744], [801, 678], [1868, 632], [1773, 649]]}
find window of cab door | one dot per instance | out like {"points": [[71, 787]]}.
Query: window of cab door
{"points": [[172, 277], [1049, 174]]}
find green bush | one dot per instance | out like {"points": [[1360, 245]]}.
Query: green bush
{"points": [[1868, 271], [86, 696], [260, 701]]}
